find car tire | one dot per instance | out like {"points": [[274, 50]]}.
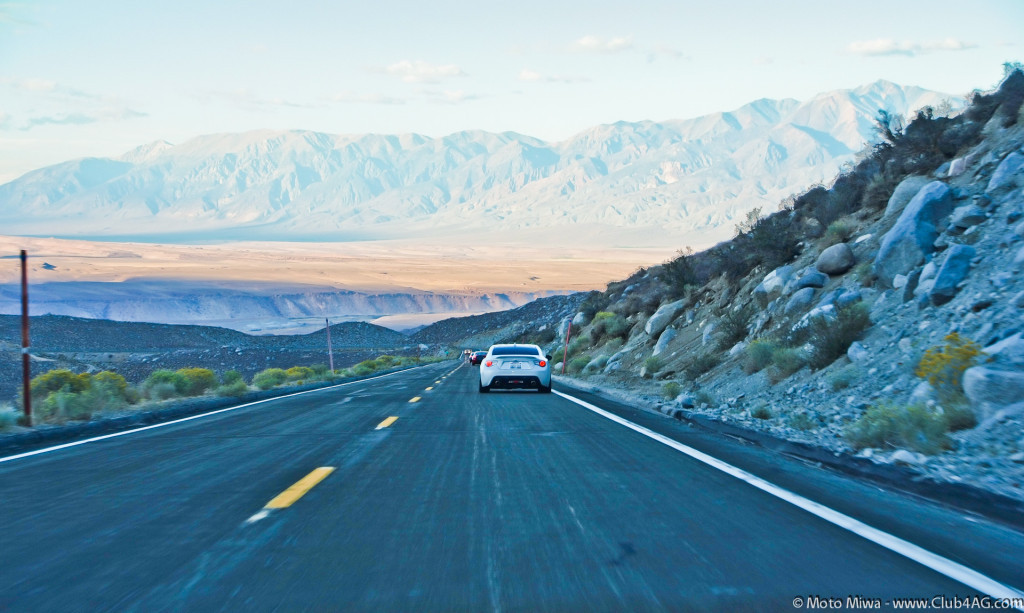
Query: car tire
{"points": [[484, 388], [544, 389]]}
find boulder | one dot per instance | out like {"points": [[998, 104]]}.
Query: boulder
{"points": [[836, 260], [800, 300], [738, 349], [813, 228], [903, 193], [662, 317], [957, 167], [579, 319], [848, 297], [1007, 352], [686, 400], [966, 216], [911, 240], [1009, 173], [708, 331], [663, 340], [953, 270], [772, 285], [813, 278], [858, 353], [991, 389]]}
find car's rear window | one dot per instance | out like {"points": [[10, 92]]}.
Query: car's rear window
{"points": [[518, 350]]}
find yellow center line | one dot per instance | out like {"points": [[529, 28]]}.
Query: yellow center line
{"points": [[289, 496], [429, 388], [414, 399], [387, 422], [437, 383]]}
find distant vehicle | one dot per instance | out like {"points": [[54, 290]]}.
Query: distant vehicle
{"points": [[515, 367], [476, 357]]}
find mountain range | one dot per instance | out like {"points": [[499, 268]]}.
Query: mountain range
{"points": [[650, 181]]}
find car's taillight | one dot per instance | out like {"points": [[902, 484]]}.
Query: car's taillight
{"points": [[489, 363], [542, 363]]}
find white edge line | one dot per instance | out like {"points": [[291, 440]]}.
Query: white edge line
{"points": [[944, 566], [191, 417]]}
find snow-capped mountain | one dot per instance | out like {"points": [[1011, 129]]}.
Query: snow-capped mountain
{"points": [[680, 176]]}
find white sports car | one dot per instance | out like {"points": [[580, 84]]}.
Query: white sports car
{"points": [[515, 366]]}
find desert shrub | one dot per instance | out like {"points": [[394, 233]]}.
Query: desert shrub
{"points": [[579, 344], [838, 231], [387, 361], [679, 273], [299, 373], [592, 304], [577, 364], [943, 366], [607, 325], [761, 411], [785, 362], [759, 355], [8, 417], [704, 397], [320, 370], [161, 391], [169, 382], [543, 337], [959, 416], [732, 327], [234, 389], [831, 338], [864, 273], [652, 364], [197, 380], [230, 377], [671, 389], [700, 365], [802, 421], [270, 377], [364, 368], [111, 385], [915, 427], [57, 380], [843, 378], [879, 189]]}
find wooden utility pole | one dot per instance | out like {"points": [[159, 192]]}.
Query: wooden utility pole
{"points": [[330, 352], [26, 376]]}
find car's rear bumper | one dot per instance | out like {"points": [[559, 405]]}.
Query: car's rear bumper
{"points": [[517, 382]]}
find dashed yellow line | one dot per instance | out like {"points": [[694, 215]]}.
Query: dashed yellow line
{"points": [[387, 422], [429, 388], [415, 399], [289, 496]]}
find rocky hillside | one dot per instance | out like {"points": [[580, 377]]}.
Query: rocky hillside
{"points": [[882, 316], [134, 350]]}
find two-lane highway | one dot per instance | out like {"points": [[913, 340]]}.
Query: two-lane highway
{"points": [[415, 492]]}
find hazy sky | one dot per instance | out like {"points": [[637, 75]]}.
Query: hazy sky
{"points": [[99, 77]]}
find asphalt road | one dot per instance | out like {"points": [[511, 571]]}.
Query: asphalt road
{"points": [[512, 501]]}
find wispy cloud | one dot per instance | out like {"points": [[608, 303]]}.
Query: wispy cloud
{"points": [[80, 119], [47, 87], [888, 46], [449, 96], [248, 99], [596, 44], [417, 71], [532, 76], [353, 97], [9, 13]]}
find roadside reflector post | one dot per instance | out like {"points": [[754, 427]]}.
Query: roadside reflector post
{"points": [[565, 354], [26, 377]]}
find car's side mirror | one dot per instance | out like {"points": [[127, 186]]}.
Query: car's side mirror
{"points": [[548, 357]]}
